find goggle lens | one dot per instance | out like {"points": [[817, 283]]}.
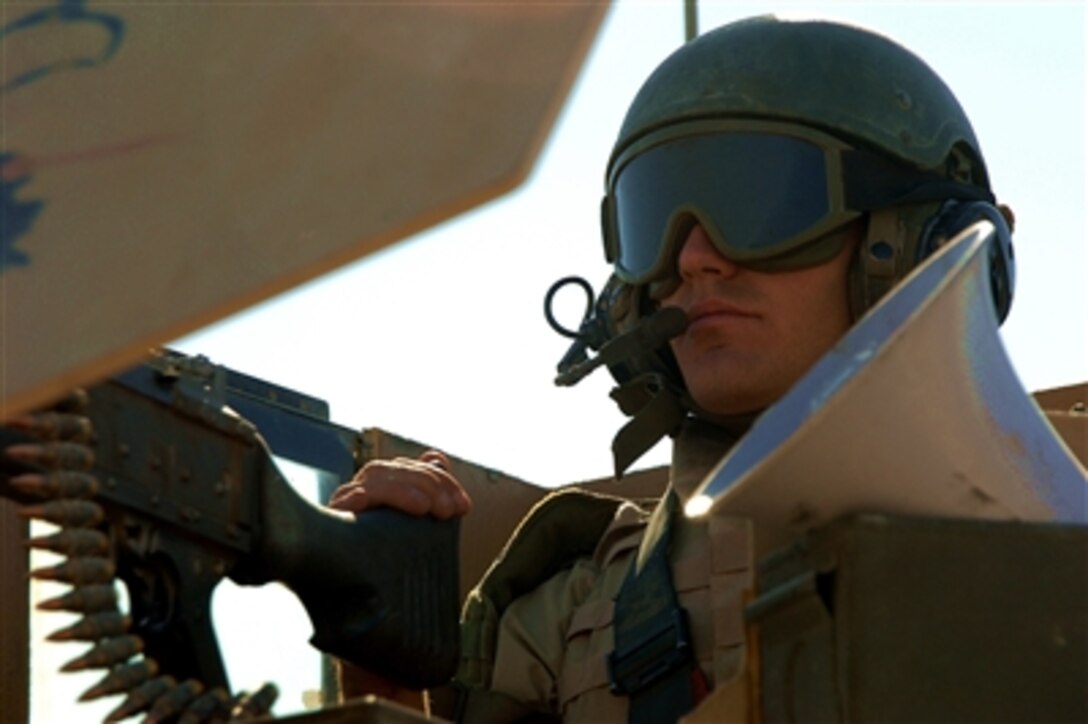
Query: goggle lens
{"points": [[758, 195]]}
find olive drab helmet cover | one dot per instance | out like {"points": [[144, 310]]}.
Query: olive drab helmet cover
{"points": [[849, 84]]}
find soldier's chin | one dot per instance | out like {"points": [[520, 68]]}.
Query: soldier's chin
{"points": [[727, 402]]}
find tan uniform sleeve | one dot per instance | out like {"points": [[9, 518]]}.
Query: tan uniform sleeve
{"points": [[532, 638], [516, 650]]}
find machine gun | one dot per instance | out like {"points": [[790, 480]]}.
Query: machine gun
{"points": [[155, 480]]}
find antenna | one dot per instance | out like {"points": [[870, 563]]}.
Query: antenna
{"points": [[691, 20]]}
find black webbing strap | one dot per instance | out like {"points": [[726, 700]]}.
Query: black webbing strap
{"points": [[653, 662], [874, 181], [661, 415]]}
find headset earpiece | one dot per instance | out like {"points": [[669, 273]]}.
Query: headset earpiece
{"points": [[955, 216]]}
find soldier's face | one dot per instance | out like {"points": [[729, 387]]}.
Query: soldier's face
{"points": [[752, 335]]}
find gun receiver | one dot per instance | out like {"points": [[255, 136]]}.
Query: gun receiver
{"points": [[188, 493]]}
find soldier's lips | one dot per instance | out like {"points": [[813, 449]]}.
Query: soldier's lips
{"points": [[718, 322], [714, 312]]}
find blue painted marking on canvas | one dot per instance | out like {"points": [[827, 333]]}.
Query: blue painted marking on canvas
{"points": [[17, 217], [65, 11]]}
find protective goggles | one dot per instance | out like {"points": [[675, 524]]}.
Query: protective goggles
{"points": [[767, 194], [761, 191]]}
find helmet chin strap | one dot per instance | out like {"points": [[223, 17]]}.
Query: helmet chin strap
{"points": [[888, 252], [875, 267], [656, 410]]}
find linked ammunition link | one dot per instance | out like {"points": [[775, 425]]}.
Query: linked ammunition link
{"points": [[63, 457]]}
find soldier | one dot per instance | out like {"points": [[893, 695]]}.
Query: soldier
{"points": [[773, 180]]}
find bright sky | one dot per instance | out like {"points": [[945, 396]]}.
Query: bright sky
{"points": [[442, 338]]}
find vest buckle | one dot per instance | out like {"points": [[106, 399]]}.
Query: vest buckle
{"points": [[652, 657]]}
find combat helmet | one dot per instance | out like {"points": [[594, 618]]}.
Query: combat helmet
{"points": [[802, 127]]}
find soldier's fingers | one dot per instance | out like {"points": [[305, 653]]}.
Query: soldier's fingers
{"points": [[459, 502], [418, 487], [443, 490], [383, 492], [436, 458], [352, 499], [352, 488], [407, 485], [432, 476], [355, 495], [340, 494], [400, 490]]}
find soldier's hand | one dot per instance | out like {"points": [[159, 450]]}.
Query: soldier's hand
{"points": [[417, 487]]}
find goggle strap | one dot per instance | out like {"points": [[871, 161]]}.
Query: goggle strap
{"points": [[610, 252], [873, 182]]}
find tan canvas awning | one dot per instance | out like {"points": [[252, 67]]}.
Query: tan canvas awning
{"points": [[167, 165]]}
